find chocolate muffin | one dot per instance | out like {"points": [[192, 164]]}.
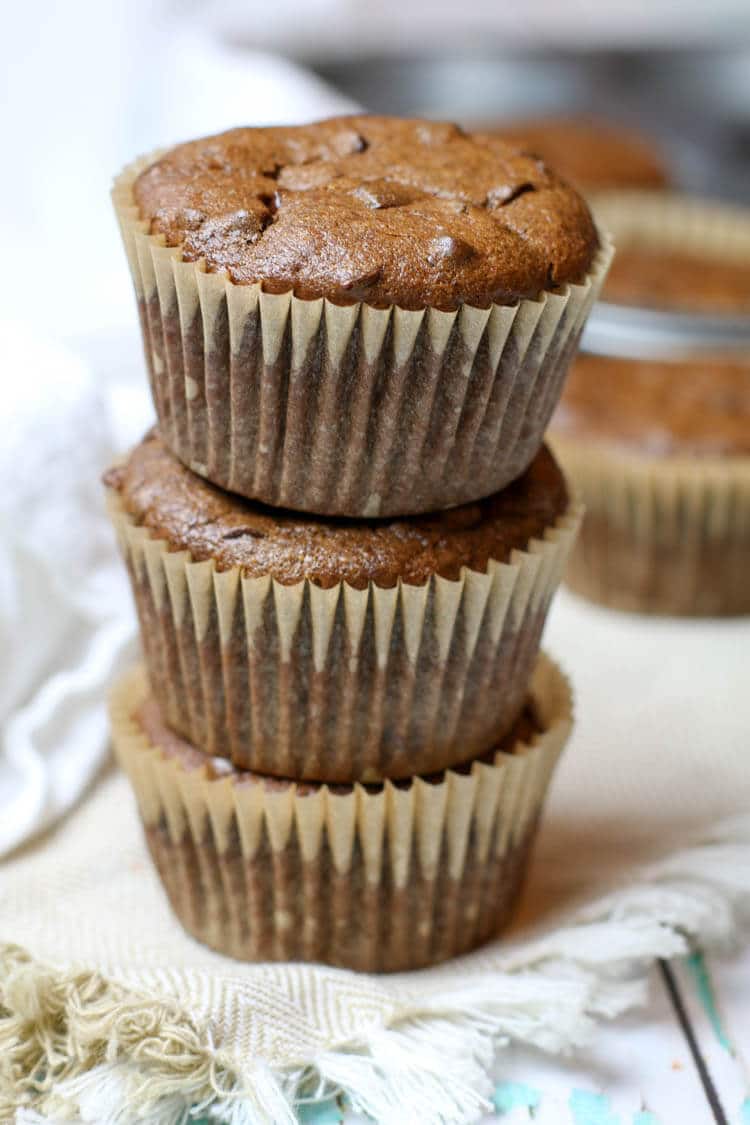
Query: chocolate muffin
{"points": [[685, 281], [677, 253], [365, 316], [374, 878], [660, 451], [338, 650], [394, 212], [593, 155], [695, 408]]}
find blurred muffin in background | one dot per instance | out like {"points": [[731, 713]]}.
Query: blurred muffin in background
{"points": [[592, 155], [660, 451], [659, 448], [681, 280]]}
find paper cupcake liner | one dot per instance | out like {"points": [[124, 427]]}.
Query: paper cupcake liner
{"points": [[341, 684], [675, 222], [355, 410], [375, 879], [667, 535]]}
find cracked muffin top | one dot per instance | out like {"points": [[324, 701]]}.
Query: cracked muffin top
{"points": [[160, 494], [377, 209]]}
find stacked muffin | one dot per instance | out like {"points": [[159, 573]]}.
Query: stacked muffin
{"points": [[344, 536]]}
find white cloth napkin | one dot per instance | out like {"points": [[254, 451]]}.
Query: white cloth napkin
{"points": [[64, 614]]}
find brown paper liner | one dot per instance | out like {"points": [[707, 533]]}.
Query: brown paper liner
{"points": [[661, 535], [383, 879], [354, 411], [341, 684]]}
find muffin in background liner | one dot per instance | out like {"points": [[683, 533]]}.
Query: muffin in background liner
{"points": [[664, 533], [340, 684], [674, 221], [661, 535], [593, 154], [377, 879], [346, 410]]}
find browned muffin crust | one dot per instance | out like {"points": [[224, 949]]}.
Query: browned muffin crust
{"points": [[593, 155], [191, 514], [379, 209], [148, 716], [699, 407], [674, 279]]}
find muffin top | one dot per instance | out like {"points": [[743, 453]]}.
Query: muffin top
{"points": [[695, 407], [148, 717], [680, 280], [593, 155], [191, 514], [378, 209]]}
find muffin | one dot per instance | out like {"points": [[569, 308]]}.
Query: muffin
{"points": [[593, 155], [677, 254], [655, 277], [337, 650], [365, 316], [659, 448], [660, 451], [374, 878]]}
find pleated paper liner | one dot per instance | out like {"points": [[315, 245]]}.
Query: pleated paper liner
{"points": [[675, 222], [661, 535], [354, 410], [380, 878], [340, 684]]}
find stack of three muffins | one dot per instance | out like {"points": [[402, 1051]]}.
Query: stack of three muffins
{"points": [[342, 745]]}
